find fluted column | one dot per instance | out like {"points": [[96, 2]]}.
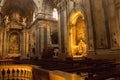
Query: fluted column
{"points": [[23, 47], [63, 21], [27, 43], [118, 21], [48, 35], [42, 38], [37, 41], [1, 33], [1, 43], [5, 42], [62, 25], [59, 29]]}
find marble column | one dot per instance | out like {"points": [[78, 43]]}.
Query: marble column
{"points": [[119, 25], [1, 43], [37, 41], [1, 33], [59, 31], [23, 47], [5, 43], [48, 35], [62, 26], [27, 43], [42, 38]]}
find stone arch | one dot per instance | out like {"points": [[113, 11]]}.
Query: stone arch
{"points": [[78, 39]]}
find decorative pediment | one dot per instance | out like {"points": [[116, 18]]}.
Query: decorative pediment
{"points": [[15, 21]]}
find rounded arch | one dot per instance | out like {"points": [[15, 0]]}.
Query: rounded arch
{"points": [[78, 39], [74, 16]]}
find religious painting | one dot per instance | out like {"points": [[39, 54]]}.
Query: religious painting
{"points": [[14, 43]]}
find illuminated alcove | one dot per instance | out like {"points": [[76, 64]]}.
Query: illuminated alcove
{"points": [[77, 35]]}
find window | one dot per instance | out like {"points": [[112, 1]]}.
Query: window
{"points": [[55, 14]]}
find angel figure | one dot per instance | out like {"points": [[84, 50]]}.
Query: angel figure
{"points": [[24, 21], [6, 19]]}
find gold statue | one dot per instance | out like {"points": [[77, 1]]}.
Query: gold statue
{"points": [[82, 48]]}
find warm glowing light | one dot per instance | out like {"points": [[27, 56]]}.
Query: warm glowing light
{"points": [[74, 16], [78, 34], [55, 14], [22, 72]]}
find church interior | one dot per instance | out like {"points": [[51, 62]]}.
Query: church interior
{"points": [[59, 40]]}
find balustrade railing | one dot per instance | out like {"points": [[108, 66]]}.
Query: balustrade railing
{"points": [[15, 72], [6, 61]]}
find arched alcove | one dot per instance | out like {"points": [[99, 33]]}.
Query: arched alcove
{"points": [[77, 35]]}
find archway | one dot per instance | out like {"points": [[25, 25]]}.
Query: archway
{"points": [[77, 35]]}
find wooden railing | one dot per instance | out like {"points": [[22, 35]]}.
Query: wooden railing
{"points": [[15, 72]]}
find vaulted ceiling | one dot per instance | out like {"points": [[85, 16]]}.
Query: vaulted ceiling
{"points": [[24, 8]]}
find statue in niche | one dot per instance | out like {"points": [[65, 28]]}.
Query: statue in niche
{"points": [[14, 44], [6, 21], [81, 49]]}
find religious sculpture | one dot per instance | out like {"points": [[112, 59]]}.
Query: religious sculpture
{"points": [[82, 48]]}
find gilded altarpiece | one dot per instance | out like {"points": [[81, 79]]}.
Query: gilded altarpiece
{"points": [[15, 36], [14, 42], [77, 35]]}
